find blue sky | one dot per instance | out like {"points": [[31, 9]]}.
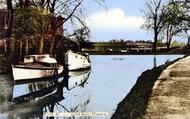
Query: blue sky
{"points": [[122, 19]]}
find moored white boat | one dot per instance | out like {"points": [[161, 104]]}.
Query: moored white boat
{"points": [[35, 67], [76, 61]]}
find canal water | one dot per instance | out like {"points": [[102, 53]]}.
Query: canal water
{"points": [[96, 91]]}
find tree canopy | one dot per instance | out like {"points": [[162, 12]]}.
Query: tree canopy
{"points": [[170, 18], [28, 19]]}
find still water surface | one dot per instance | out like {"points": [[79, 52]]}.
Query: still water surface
{"points": [[97, 90]]}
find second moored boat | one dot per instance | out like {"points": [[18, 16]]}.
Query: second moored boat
{"points": [[77, 61]]}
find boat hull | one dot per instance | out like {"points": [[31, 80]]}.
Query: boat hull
{"points": [[21, 72], [77, 61]]}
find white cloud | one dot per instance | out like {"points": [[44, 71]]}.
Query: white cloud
{"points": [[114, 18]]}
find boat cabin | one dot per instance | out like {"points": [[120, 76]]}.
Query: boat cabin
{"points": [[33, 58], [43, 59]]}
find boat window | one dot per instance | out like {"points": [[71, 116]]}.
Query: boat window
{"points": [[75, 56], [42, 57]]}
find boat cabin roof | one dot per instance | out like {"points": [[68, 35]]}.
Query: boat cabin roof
{"points": [[48, 60], [79, 53], [38, 55], [43, 58]]}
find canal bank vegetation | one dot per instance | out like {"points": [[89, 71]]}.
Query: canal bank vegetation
{"points": [[119, 47]]}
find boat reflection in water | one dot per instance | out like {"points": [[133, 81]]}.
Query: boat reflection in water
{"points": [[77, 97], [35, 99], [77, 78]]}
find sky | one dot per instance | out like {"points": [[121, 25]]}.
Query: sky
{"points": [[122, 19]]}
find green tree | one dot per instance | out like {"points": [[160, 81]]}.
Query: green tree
{"points": [[176, 20], [70, 10], [30, 23], [175, 43]]}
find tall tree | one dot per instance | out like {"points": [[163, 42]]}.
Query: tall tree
{"points": [[68, 13], [10, 17], [173, 19], [154, 13], [82, 36], [177, 19]]}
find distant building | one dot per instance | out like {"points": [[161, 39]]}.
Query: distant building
{"points": [[56, 28], [57, 22]]}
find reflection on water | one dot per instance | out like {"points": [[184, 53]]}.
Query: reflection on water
{"points": [[97, 90], [34, 99], [77, 78], [154, 61]]}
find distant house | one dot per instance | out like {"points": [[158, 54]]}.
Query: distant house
{"points": [[57, 23], [56, 28], [3, 29]]}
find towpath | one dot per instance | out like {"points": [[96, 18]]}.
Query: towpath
{"points": [[160, 93], [170, 98]]}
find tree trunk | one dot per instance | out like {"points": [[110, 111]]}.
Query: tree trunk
{"points": [[10, 17], [188, 37], [26, 46], [9, 23], [52, 44], [155, 42], [12, 45], [20, 49], [170, 40], [26, 4], [21, 3], [188, 43], [41, 45], [167, 38]]}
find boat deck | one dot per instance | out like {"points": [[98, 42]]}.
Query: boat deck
{"points": [[36, 66]]}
